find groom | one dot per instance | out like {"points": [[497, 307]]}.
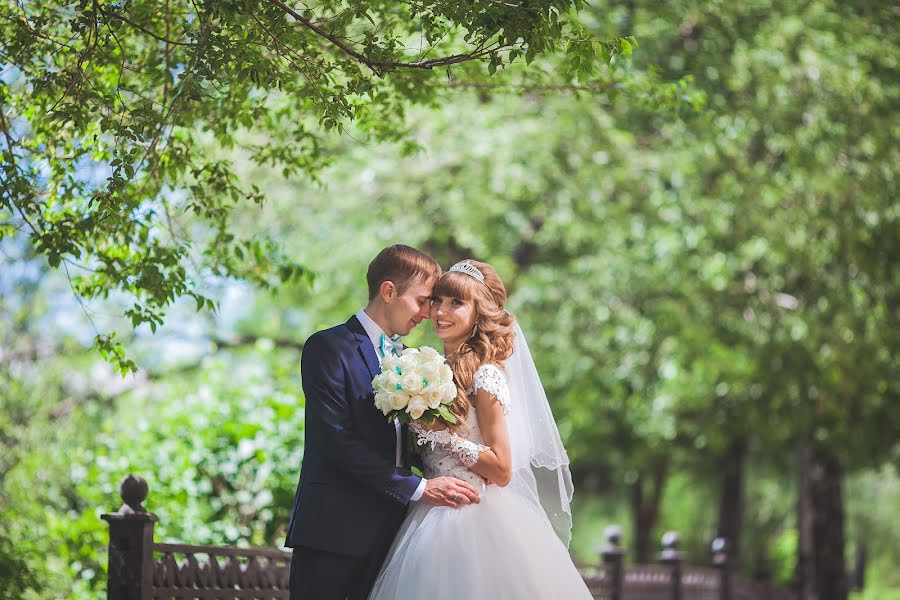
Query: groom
{"points": [[354, 486]]}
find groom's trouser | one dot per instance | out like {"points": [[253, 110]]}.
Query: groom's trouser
{"points": [[318, 575]]}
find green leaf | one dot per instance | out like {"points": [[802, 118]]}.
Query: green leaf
{"points": [[446, 414]]}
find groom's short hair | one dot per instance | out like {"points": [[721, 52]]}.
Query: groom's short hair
{"points": [[402, 265]]}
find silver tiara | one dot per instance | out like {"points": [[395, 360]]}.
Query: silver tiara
{"points": [[469, 269]]}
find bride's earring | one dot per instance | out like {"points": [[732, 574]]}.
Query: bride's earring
{"points": [[474, 330]]}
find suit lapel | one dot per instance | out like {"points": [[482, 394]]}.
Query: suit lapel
{"points": [[366, 350]]}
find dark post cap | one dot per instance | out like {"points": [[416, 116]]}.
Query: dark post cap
{"points": [[133, 490], [670, 553], [613, 537], [719, 549]]}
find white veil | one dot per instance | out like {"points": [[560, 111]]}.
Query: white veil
{"points": [[540, 465]]}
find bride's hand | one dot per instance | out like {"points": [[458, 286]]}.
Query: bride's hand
{"points": [[449, 491]]}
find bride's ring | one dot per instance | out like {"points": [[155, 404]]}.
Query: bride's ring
{"points": [[454, 497]]}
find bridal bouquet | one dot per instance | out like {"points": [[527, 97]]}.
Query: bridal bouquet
{"points": [[418, 384]]}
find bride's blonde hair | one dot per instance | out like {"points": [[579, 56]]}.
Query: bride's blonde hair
{"points": [[492, 340]]}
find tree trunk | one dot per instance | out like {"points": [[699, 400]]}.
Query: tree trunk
{"points": [[804, 571], [859, 567], [731, 497], [821, 571], [645, 509]]}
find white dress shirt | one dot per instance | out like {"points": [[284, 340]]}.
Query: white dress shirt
{"points": [[375, 332]]}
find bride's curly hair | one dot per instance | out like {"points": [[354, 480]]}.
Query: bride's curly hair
{"points": [[494, 331]]}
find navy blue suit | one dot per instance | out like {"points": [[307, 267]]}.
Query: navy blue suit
{"points": [[351, 498]]}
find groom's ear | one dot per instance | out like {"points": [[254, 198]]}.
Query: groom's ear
{"points": [[388, 291]]}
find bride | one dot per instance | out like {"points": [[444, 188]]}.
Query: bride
{"points": [[511, 545]]}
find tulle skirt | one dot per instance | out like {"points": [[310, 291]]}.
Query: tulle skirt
{"points": [[499, 549]]}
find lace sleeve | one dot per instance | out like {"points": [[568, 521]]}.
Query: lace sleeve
{"points": [[492, 380], [465, 450]]}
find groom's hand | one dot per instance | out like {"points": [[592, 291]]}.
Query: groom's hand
{"points": [[449, 491]]}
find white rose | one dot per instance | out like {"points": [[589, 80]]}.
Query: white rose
{"points": [[446, 373], [417, 407], [407, 363], [431, 371], [412, 383], [389, 381], [433, 396], [409, 352], [448, 393], [381, 383], [398, 400], [383, 402], [378, 382], [390, 363], [427, 353]]}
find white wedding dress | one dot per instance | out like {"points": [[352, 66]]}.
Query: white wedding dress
{"points": [[503, 548]]}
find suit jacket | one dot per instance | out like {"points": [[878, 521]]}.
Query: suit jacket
{"points": [[350, 489]]}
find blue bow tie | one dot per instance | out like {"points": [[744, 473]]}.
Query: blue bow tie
{"points": [[390, 345]]}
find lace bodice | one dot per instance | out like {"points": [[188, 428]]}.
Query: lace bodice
{"points": [[440, 460]]}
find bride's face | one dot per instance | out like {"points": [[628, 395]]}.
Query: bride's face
{"points": [[453, 318]]}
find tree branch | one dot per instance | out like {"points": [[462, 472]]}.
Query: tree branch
{"points": [[4, 125], [9, 141], [90, 45], [249, 340], [124, 19], [379, 65], [530, 88]]}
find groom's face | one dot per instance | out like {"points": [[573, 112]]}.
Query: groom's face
{"points": [[405, 311]]}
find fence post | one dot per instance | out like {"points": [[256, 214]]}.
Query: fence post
{"points": [[130, 575], [613, 555], [672, 557], [720, 561]]}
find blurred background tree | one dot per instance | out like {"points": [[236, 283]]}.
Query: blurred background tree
{"points": [[707, 290]]}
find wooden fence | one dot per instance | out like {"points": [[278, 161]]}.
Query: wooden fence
{"points": [[671, 579], [141, 569]]}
